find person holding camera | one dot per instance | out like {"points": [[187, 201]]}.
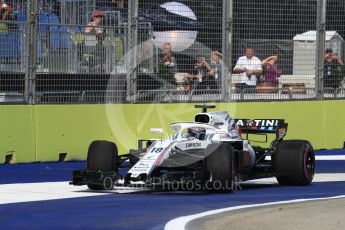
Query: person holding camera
{"points": [[93, 45], [5, 10], [6, 14], [202, 80], [95, 24], [331, 69], [215, 73], [249, 67]]}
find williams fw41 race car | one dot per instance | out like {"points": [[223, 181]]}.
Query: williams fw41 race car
{"points": [[210, 154]]}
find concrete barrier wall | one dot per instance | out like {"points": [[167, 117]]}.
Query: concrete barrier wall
{"points": [[18, 133], [41, 132]]}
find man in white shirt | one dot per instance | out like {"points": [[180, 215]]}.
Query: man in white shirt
{"points": [[249, 67]]}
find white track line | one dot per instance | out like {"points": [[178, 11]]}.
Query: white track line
{"points": [[331, 158], [323, 158], [181, 222], [26, 192], [319, 177]]}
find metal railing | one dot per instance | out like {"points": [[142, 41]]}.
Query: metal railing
{"points": [[272, 94], [11, 97], [168, 96], [109, 96]]}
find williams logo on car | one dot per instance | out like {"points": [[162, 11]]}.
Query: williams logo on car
{"points": [[193, 145]]}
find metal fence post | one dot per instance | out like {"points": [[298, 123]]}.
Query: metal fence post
{"points": [[320, 47], [30, 46], [227, 48], [133, 8]]}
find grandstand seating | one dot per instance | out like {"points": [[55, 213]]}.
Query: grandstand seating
{"points": [[20, 16], [59, 37], [9, 45], [58, 34]]}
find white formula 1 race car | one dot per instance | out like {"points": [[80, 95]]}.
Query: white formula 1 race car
{"points": [[208, 154]]}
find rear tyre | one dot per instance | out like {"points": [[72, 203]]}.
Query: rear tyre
{"points": [[219, 165], [294, 162], [102, 156]]}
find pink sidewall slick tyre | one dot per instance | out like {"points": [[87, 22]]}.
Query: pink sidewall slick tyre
{"points": [[294, 162]]}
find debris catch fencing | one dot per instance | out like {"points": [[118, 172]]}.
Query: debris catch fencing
{"points": [[119, 51]]}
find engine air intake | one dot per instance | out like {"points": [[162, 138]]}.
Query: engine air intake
{"points": [[202, 118]]}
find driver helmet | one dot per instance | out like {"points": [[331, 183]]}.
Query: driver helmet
{"points": [[198, 133]]}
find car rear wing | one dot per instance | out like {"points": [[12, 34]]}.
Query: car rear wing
{"points": [[260, 125], [264, 127]]}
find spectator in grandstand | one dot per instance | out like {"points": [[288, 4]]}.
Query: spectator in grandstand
{"points": [[167, 66], [271, 71], [167, 57], [95, 51], [6, 13], [332, 64], [95, 24], [5, 10], [216, 67], [249, 67], [202, 80]]}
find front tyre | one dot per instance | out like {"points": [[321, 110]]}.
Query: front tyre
{"points": [[102, 157], [294, 162]]}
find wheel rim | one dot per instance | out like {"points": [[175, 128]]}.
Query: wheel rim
{"points": [[108, 183]]}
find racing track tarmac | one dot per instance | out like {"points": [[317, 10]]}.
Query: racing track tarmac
{"points": [[316, 215], [37, 196]]}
